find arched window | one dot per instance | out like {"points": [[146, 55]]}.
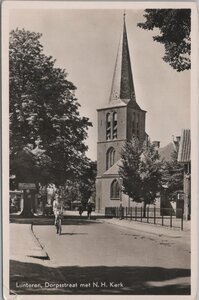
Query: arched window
{"points": [[115, 189], [110, 158], [108, 126], [114, 125]]}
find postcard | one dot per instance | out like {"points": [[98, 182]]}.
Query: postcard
{"points": [[100, 149]]}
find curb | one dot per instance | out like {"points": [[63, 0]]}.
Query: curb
{"points": [[42, 254], [145, 230]]}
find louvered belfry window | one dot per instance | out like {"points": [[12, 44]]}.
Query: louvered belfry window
{"points": [[114, 125], [108, 126]]}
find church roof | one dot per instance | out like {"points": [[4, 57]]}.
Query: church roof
{"points": [[167, 152], [184, 152], [114, 170], [115, 104], [122, 91]]}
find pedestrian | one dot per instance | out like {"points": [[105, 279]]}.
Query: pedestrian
{"points": [[89, 209], [57, 207], [81, 210]]}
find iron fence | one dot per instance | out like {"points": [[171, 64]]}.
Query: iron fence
{"points": [[152, 215]]}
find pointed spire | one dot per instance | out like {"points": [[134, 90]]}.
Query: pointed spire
{"points": [[122, 85], [124, 15]]}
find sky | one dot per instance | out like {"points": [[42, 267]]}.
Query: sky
{"points": [[85, 42]]}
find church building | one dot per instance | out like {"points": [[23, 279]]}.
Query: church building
{"points": [[117, 122]]}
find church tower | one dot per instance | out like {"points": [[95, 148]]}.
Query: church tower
{"points": [[117, 122]]}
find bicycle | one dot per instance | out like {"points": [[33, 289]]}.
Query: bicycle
{"points": [[59, 223]]}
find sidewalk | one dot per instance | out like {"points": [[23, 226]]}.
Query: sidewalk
{"points": [[30, 266], [24, 244], [152, 229]]}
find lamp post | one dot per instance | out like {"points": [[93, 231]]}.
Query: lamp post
{"points": [[163, 199]]}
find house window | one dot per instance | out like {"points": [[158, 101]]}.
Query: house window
{"points": [[110, 158], [108, 126], [115, 190], [114, 125]]}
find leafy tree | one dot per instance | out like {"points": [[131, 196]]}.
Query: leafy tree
{"points": [[87, 181], [129, 170], [150, 173], [175, 28], [71, 192], [43, 105], [83, 188], [140, 172], [172, 175], [29, 166]]}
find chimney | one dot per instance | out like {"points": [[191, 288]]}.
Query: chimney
{"points": [[156, 144], [177, 142]]}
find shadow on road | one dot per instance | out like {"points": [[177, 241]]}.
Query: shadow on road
{"points": [[50, 221], [71, 233], [135, 280]]}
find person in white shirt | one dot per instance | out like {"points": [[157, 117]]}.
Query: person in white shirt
{"points": [[57, 207]]}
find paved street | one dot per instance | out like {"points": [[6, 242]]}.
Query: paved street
{"points": [[93, 257]]}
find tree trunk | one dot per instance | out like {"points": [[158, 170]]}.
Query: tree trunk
{"points": [[144, 210], [27, 208]]}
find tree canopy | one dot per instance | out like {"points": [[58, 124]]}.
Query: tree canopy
{"points": [[140, 171], [87, 182], [143, 174], [129, 170], [43, 106], [150, 173], [173, 175], [83, 188], [175, 27]]}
